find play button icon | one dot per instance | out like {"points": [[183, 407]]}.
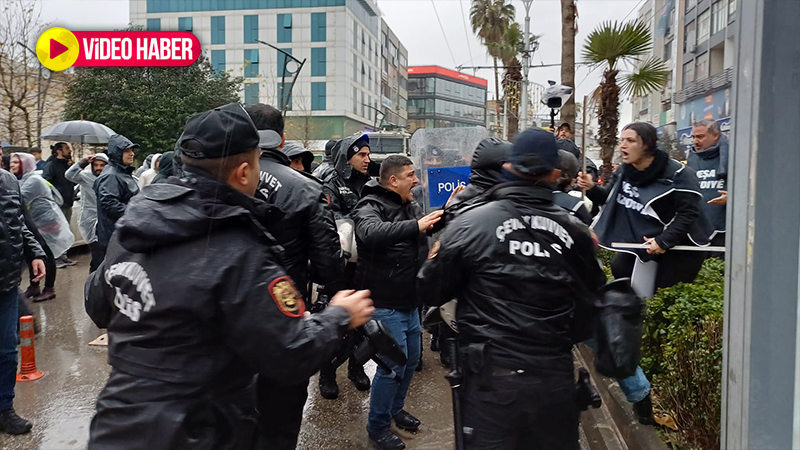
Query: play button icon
{"points": [[57, 48]]}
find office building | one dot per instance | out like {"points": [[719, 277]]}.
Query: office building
{"points": [[338, 91], [442, 98], [394, 79]]}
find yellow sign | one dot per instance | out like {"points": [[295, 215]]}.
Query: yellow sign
{"points": [[57, 49]]}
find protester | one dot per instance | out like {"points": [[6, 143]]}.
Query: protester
{"points": [[88, 221], [37, 153], [16, 240], [114, 187], [325, 170], [55, 172], [568, 165], [149, 175], [165, 167], [709, 159], [40, 201], [390, 234], [655, 200], [184, 353], [300, 159], [523, 271], [351, 164], [564, 131], [145, 165], [307, 233]]}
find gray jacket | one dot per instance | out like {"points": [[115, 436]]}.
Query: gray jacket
{"points": [[84, 177], [14, 234]]}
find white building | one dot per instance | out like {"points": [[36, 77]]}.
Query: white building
{"points": [[338, 90]]}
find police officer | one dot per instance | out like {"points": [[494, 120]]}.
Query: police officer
{"points": [[196, 303], [568, 165], [325, 169], [306, 233], [523, 270]]}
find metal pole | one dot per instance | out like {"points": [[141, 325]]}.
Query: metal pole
{"points": [[583, 140], [523, 110], [505, 119]]}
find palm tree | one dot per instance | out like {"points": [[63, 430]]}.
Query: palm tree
{"points": [[568, 17], [507, 50], [611, 46], [490, 20]]}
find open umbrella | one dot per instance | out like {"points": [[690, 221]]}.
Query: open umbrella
{"points": [[83, 131]]}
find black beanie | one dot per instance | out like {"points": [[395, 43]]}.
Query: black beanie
{"points": [[361, 142]]}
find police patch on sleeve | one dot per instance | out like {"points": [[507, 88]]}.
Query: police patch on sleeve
{"points": [[286, 297]]}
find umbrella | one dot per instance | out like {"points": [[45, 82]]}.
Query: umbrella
{"points": [[83, 131]]}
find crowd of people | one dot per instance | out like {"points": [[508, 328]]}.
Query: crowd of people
{"points": [[219, 273]]}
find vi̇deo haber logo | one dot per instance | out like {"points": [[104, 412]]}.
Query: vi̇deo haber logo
{"points": [[59, 49]]}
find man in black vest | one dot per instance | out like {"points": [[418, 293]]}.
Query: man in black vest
{"points": [[709, 159], [307, 233]]}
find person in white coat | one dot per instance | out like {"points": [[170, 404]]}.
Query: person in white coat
{"points": [[83, 173], [149, 175]]}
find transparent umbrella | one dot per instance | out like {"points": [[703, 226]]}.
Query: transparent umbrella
{"points": [[83, 131]]}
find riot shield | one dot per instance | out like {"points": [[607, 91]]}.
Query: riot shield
{"points": [[443, 157]]}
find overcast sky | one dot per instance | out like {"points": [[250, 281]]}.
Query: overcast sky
{"points": [[415, 23]]}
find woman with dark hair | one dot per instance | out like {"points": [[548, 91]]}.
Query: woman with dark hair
{"points": [[654, 200]]}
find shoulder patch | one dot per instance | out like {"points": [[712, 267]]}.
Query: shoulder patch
{"points": [[286, 297]]}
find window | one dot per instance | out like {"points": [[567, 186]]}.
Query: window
{"points": [[690, 37], [363, 114], [318, 96], [250, 29], [218, 30], [250, 92], [370, 49], [719, 16], [285, 96], [355, 100], [363, 41], [282, 62], [251, 63], [355, 35], [703, 25], [319, 29], [184, 24], [153, 24], [701, 67], [284, 28], [363, 74], [731, 9], [668, 50], [690, 4], [688, 73], [218, 60], [355, 68], [318, 62], [403, 61]]}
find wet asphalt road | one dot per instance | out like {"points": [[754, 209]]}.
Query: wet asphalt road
{"points": [[61, 404]]}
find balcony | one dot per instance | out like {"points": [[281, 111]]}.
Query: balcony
{"points": [[704, 86]]}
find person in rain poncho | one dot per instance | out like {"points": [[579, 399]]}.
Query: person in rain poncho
{"points": [[149, 175], [88, 221], [41, 202], [145, 165], [165, 167], [114, 187]]}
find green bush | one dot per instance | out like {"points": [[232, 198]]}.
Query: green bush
{"points": [[682, 354]]}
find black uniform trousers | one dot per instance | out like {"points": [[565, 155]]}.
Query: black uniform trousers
{"points": [[280, 411], [520, 412]]}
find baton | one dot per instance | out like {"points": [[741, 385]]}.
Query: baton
{"points": [[689, 248], [455, 377]]}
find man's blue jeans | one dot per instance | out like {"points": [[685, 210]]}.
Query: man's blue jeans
{"points": [[8, 346], [635, 387], [389, 396]]}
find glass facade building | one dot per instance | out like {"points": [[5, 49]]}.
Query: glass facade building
{"points": [[442, 98]]}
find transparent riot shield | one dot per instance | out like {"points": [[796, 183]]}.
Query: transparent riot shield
{"points": [[443, 157]]}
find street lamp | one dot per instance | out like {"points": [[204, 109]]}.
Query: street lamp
{"points": [[44, 74], [526, 55], [292, 66]]}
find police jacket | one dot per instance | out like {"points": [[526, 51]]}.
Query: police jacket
{"points": [[114, 188], [524, 273], [15, 236], [307, 231], [55, 172], [390, 247], [192, 294], [343, 185]]}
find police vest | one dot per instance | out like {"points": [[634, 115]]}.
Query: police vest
{"points": [[628, 215], [707, 166]]}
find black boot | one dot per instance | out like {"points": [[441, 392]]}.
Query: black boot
{"points": [[355, 373], [406, 421], [327, 384], [644, 411], [387, 441], [11, 423]]}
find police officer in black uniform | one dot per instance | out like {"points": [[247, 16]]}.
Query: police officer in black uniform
{"points": [[523, 271], [306, 233], [196, 303]]}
